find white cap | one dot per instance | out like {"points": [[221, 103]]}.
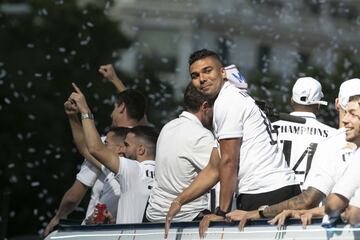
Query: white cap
{"points": [[307, 91], [234, 76], [348, 89]]}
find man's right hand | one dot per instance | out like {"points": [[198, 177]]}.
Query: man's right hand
{"points": [[70, 108], [242, 217], [109, 218], [281, 217], [49, 228]]}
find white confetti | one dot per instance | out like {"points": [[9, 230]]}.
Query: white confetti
{"points": [[29, 165], [89, 85], [20, 136], [90, 24], [35, 184], [85, 41], [13, 179], [31, 150], [2, 73], [7, 101]]}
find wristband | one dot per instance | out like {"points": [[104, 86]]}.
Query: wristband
{"points": [[88, 115], [220, 213], [177, 202], [261, 210]]}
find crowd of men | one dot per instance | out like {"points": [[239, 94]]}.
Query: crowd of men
{"points": [[221, 143]]}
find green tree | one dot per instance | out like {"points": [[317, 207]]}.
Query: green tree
{"points": [[43, 49]]}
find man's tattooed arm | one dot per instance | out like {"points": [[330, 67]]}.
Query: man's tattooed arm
{"points": [[309, 198]]}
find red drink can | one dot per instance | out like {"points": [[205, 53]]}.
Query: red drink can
{"points": [[101, 207]]}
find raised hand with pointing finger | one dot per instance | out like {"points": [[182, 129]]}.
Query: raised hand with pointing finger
{"points": [[79, 99]]}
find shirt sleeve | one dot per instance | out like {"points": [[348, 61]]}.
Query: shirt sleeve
{"points": [[320, 175], [88, 174], [229, 118], [200, 150], [128, 170], [355, 199], [350, 180]]}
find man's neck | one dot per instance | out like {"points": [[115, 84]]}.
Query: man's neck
{"points": [[197, 114], [128, 123], [146, 158], [357, 143]]}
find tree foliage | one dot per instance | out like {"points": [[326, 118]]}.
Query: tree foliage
{"points": [[43, 50]]}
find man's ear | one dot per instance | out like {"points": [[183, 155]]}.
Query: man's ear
{"points": [[223, 73], [120, 149], [121, 108], [337, 104], [204, 106], [141, 150], [291, 101]]}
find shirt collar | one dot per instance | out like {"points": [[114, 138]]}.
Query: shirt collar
{"points": [[225, 85], [146, 162], [303, 114], [190, 116]]}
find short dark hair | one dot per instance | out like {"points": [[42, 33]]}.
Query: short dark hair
{"points": [[193, 99], [148, 134], [204, 53], [119, 132], [135, 103]]}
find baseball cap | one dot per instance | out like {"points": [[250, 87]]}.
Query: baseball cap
{"points": [[307, 91], [234, 76], [348, 89]]}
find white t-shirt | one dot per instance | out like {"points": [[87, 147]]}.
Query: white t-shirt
{"points": [[349, 183], [136, 180], [262, 166], [355, 199], [298, 141], [183, 149], [104, 188], [331, 159], [88, 175], [110, 191]]}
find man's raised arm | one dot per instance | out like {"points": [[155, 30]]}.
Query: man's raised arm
{"points": [[92, 138], [72, 111], [109, 73]]}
